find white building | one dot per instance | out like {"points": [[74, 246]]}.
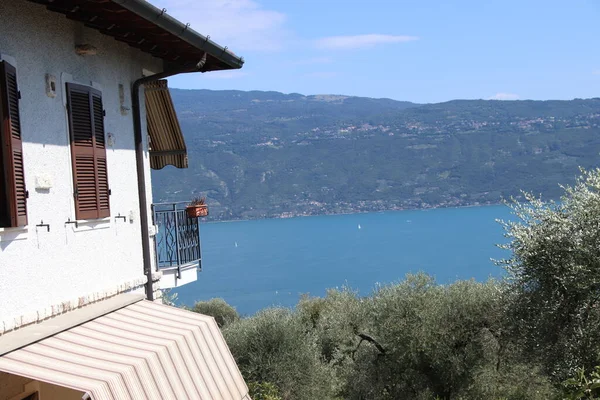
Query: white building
{"points": [[84, 113]]}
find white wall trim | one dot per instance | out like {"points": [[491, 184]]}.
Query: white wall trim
{"points": [[72, 304], [91, 224], [36, 332], [17, 233], [15, 229]]}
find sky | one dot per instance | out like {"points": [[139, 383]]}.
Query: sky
{"points": [[419, 50]]}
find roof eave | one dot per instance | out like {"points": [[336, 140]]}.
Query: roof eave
{"points": [[159, 17]]}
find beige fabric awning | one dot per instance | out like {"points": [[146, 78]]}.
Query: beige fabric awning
{"points": [[142, 351], [167, 146]]}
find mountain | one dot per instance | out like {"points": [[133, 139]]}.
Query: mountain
{"points": [[267, 154]]}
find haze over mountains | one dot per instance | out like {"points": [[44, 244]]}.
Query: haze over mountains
{"points": [[268, 154]]}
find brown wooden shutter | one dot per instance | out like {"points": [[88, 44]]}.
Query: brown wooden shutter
{"points": [[88, 152], [12, 145], [100, 154]]}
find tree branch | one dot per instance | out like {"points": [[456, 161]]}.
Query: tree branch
{"points": [[370, 339]]}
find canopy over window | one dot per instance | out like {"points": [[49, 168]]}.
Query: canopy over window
{"points": [[141, 351], [167, 146]]}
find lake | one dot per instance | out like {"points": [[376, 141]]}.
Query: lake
{"points": [[255, 264]]}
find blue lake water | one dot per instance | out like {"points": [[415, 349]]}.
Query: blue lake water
{"points": [[255, 264]]}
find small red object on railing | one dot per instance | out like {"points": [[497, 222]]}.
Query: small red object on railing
{"points": [[200, 210]]}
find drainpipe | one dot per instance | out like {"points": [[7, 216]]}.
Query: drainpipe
{"points": [[139, 158]]}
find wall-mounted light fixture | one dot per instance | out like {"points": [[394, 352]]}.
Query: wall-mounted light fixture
{"points": [[50, 85]]}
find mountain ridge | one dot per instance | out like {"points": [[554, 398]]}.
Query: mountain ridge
{"points": [[267, 154]]}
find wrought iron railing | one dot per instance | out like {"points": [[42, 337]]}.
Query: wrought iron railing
{"points": [[177, 237]]}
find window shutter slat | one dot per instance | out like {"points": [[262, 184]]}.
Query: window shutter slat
{"points": [[88, 152], [13, 146], [100, 154]]}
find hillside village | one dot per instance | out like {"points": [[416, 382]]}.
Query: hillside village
{"points": [[271, 155]]}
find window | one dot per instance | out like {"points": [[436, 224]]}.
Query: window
{"points": [[88, 152], [13, 194]]}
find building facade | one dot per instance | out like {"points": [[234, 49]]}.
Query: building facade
{"points": [[59, 262], [79, 133]]}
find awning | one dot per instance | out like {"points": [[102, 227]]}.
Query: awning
{"points": [[142, 351], [167, 146]]}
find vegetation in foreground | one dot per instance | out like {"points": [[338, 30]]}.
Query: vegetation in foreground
{"points": [[533, 335]]}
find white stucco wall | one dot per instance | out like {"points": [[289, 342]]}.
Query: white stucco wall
{"points": [[39, 268]]}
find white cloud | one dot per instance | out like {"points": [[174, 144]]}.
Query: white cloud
{"points": [[241, 25], [361, 41], [231, 74], [596, 72], [504, 96]]}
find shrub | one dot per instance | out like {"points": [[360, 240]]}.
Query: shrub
{"points": [[512, 381], [222, 312], [169, 297], [583, 386], [263, 391], [274, 346]]}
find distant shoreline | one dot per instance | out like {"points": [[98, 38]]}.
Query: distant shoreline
{"points": [[356, 212]]}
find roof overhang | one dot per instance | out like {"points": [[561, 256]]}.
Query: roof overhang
{"points": [[148, 28]]}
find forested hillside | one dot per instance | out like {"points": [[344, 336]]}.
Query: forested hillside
{"points": [[268, 154]]}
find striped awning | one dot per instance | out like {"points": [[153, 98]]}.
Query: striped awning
{"points": [[142, 351], [167, 146]]}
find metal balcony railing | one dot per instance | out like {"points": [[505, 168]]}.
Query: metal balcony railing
{"points": [[177, 237]]}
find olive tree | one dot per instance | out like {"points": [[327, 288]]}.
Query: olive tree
{"points": [[219, 309], [417, 339], [274, 347], [554, 274], [428, 340]]}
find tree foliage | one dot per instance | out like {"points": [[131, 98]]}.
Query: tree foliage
{"points": [[217, 308], [583, 386], [263, 391], [554, 273], [412, 340], [274, 346], [419, 340]]}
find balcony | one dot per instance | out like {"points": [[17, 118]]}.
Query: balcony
{"points": [[177, 244]]}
